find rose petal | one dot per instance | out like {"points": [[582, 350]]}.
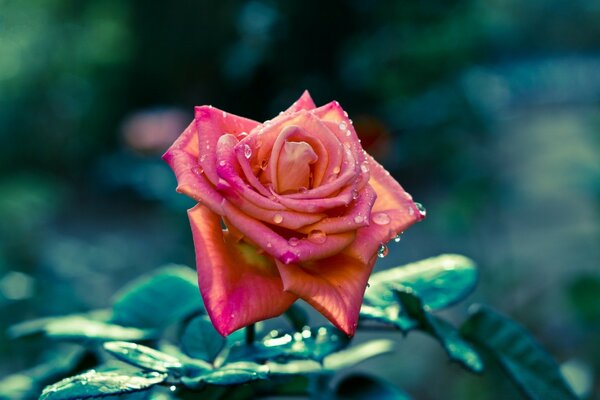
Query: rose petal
{"points": [[305, 102], [334, 286], [395, 203], [212, 123], [279, 247], [239, 286], [182, 157], [356, 216]]}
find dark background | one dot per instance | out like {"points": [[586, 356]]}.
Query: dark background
{"points": [[486, 111]]}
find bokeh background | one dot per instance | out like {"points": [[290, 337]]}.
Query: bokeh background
{"points": [[486, 111]]}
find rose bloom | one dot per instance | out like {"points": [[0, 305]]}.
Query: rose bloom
{"points": [[305, 211]]}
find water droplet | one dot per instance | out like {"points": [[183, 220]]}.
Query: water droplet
{"points": [[203, 157], [302, 189], [364, 167], [224, 114], [358, 219], [354, 194], [277, 218], [207, 147], [172, 388], [411, 211], [293, 241], [346, 114], [269, 245], [348, 133], [381, 218], [197, 170], [350, 121], [336, 170], [297, 336], [306, 333], [383, 251], [210, 106], [421, 209], [247, 151], [398, 237], [243, 134], [222, 163], [267, 122], [343, 126], [317, 236]]}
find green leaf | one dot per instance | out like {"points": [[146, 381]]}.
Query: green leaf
{"points": [[80, 327], [143, 357], [390, 315], [230, 374], [356, 354], [297, 316], [315, 344], [533, 370], [201, 340], [101, 384], [359, 387], [458, 350], [155, 301], [333, 362], [440, 281]]}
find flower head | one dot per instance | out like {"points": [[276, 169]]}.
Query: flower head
{"points": [[305, 210]]}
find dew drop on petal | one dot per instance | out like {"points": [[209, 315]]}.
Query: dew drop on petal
{"points": [[317, 236], [293, 241], [381, 218], [222, 163], [358, 219], [350, 121], [277, 218], [421, 209], [302, 189], [224, 114], [398, 237], [342, 126], [364, 168], [243, 134], [411, 211], [348, 133], [346, 114], [383, 251], [198, 170], [172, 388], [336, 170], [354, 194], [247, 151], [269, 245]]}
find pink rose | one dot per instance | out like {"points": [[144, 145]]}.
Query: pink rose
{"points": [[305, 211]]}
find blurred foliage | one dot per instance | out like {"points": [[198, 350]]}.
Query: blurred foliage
{"points": [[485, 111]]}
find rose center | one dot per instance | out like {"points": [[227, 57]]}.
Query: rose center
{"points": [[294, 167]]}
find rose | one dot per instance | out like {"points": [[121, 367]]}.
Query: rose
{"points": [[305, 211]]}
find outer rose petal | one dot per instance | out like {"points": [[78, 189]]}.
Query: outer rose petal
{"points": [[212, 123], [305, 102], [239, 286], [334, 286], [391, 200], [182, 157]]}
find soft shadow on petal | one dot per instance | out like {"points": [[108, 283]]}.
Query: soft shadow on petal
{"points": [[238, 285], [182, 157], [334, 286]]}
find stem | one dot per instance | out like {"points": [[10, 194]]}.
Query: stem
{"points": [[250, 334]]}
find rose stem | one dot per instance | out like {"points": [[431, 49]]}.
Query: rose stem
{"points": [[250, 335]]}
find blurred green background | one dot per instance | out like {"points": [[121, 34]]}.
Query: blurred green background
{"points": [[486, 111]]}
